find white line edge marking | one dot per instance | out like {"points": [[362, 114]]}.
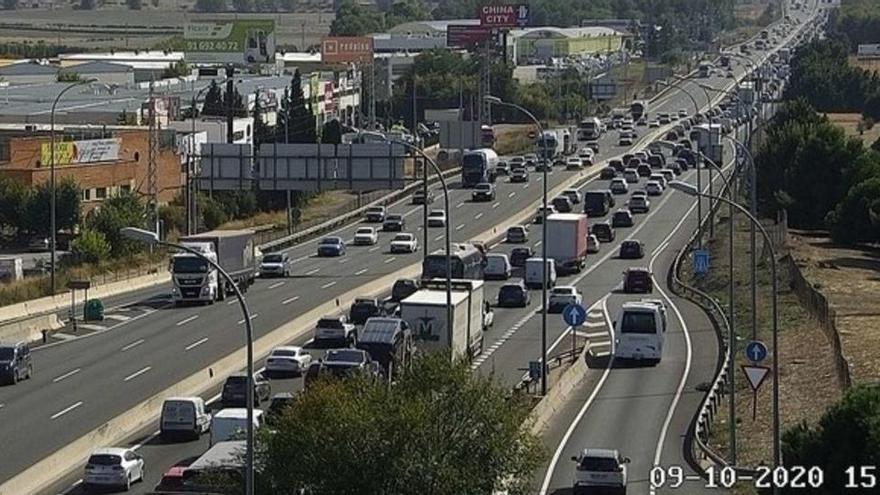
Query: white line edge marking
{"points": [[231, 302], [66, 375], [133, 345], [252, 318], [66, 410], [195, 344], [312, 272], [389, 260], [478, 216], [289, 300], [361, 272], [137, 373], [276, 285], [187, 320]]}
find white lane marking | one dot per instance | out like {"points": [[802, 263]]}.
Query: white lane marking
{"points": [[438, 237], [459, 205], [526, 186], [63, 336], [312, 272], [459, 227], [593, 335], [373, 249], [478, 216], [67, 338], [301, 258], [252, 318], [343, 261], [195, 344], [496, 205], [187, 320], [66, 375], [94, 328], [137, 373], [577, 419], [512, 194], [276, 285], [289, 300], [390, 260], [66, 410], [328, 285], [117, 317], [361, 271], [538, 244], [1, 406], [232, 301]]}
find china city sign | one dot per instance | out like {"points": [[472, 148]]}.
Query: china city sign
{"points": [[504, 16]]}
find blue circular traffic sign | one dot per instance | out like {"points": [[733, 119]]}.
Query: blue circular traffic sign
{"points": [[574, 315], [756, 351]]}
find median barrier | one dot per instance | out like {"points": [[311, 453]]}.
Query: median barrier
{"points": [[29, 329]]}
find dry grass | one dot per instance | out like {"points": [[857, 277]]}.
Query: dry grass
{"points": [[808, 382], [513, 138], [849, 122]]}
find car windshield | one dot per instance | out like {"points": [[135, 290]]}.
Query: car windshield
{"points": [[437, 214], [330, 323], [393, 218], [284, 352], [6, 353], [365, 230], [604, 464], [345, 356], [403, 237], [273, 258], [562, 291], [105, 460], [621, 215], [331, 241], [189, 264], [638, 322], [509, 291], [375, 209], [483, 187], [521, 252]]}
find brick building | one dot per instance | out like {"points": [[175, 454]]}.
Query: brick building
{"points": [[102, 163]]}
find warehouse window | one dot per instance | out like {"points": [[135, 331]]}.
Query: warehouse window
{"points": [[86, 194], [101, 193]]}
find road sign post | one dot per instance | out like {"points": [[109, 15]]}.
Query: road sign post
{"points": [[574, 315], [755, 375], [756, 351]]}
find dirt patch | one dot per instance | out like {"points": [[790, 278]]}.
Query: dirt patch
{"points": [[808, 378], [850, 280], [870, 64], [853, 126]]}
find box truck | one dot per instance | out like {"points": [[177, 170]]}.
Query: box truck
{"points": [[567, 241], [425, 313], [193, 279]]}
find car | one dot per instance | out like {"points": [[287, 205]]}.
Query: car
{"points": [[592, 244], [593, 145], [673, 116], [531, 157], [519, 255], [331, 246], [622, 218], [642, 121], [234, 392], [653, 188], [638, 204], [626, 158], [544, 165], [172, 479], [497, 267], [513, 295], [599, 471], [631, 176], [483, 191], [664, 118], [656, 161], [517, 162], [603, 231], [419, 197], [16, 362], [365, 236], [644, 170], [519, 175], [288, 359], [573, 163], [676, 168], [375, 214], [394, 223], [640, 193], [335, 329], [617, 164], [404, 243], [517, 234], [437, 218], [682, 163], [618, 186], [608, 173], [561, 296], [625, 140], [403, 288], [637, 280], [114, 466], [668, 174], [502, 168], [562, 204], [539, 216], [683, 113], [275, 265], [573, 195], [730, 74], [653, 124], [659, 178], [631, 249], [364, 308], [634, 163], [39, 244]]}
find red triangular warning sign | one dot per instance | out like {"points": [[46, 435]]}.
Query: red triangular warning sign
{"points": [[755, 375]]}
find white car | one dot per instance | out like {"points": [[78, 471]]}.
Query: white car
{"points": [[336, 329], [288, 359], [599, 468], [659, 178], [563, 295], [517, 234], [114, 467], [653, 188], [572, 194], [592, 244], [404, 243], [437, 218], [573, 163], [653, 124], [365, 236], [585, 152]]}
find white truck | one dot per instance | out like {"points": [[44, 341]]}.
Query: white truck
{"points": [[195, 280], [567, 241], [589, 129], [425, 313]]}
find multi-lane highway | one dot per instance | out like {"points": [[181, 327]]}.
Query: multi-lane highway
{"points": [[82, 384]]}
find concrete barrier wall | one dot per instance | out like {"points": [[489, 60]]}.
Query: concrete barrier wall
{"points": [[29, 329], [543, 413]]}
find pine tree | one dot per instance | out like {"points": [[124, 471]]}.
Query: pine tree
{"points": [[262, 132], [213, 100], [297, 119]]}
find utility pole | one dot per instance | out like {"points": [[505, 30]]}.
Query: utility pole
{"points": [[152, 168], [230, 103]]}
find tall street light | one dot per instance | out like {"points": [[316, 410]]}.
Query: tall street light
{"points": [[152, 239], [498, 101], [692, 191], [52, 195]]}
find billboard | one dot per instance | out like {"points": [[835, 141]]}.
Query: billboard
{"points": [[80, 152], [504, 16], [230, 41], [465, 35], [346, 49]]}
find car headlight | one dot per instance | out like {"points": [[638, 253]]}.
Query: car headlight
{"points": [[205, 290]]}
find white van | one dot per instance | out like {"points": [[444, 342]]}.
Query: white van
{"points": [[640, 330], [497, 267], [535, 273], [184, 416], [226, 423]]}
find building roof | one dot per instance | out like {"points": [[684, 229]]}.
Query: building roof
{"points": [[432, 27], [27, 69], [97, 68], [557, 32], [142, 56]]}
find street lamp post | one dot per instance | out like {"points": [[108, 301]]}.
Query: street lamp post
{"points": [[692, 191], [498, 101], [52, 220], [152, 239]]}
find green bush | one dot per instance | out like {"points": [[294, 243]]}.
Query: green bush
{"points": [[122, 210], [213, 215], [90, 246]]}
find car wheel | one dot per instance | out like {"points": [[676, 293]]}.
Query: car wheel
{"points": [[15, 376], [30, 373], [127, 486]]}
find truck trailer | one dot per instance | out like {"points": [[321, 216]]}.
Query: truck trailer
{"points": [[567, 241], [195, 280]]}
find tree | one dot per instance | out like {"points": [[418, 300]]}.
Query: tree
{"points": [[857, 217], [213, 100], [296, 119], [211, 5], [134, 4], [213, 215], [37, 209], [177, 69], [13, 197], [122, 210], [262, 132], [355, 20], [848, 434], [90, 246], [67, 76], [331, 133], [440, 430], [243, 5]]}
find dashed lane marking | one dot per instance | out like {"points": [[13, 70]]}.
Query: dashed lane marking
{"points": [[187, 320], [133, 345], [137, 373], [195, 344], [65, 410], [289, 300]]}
